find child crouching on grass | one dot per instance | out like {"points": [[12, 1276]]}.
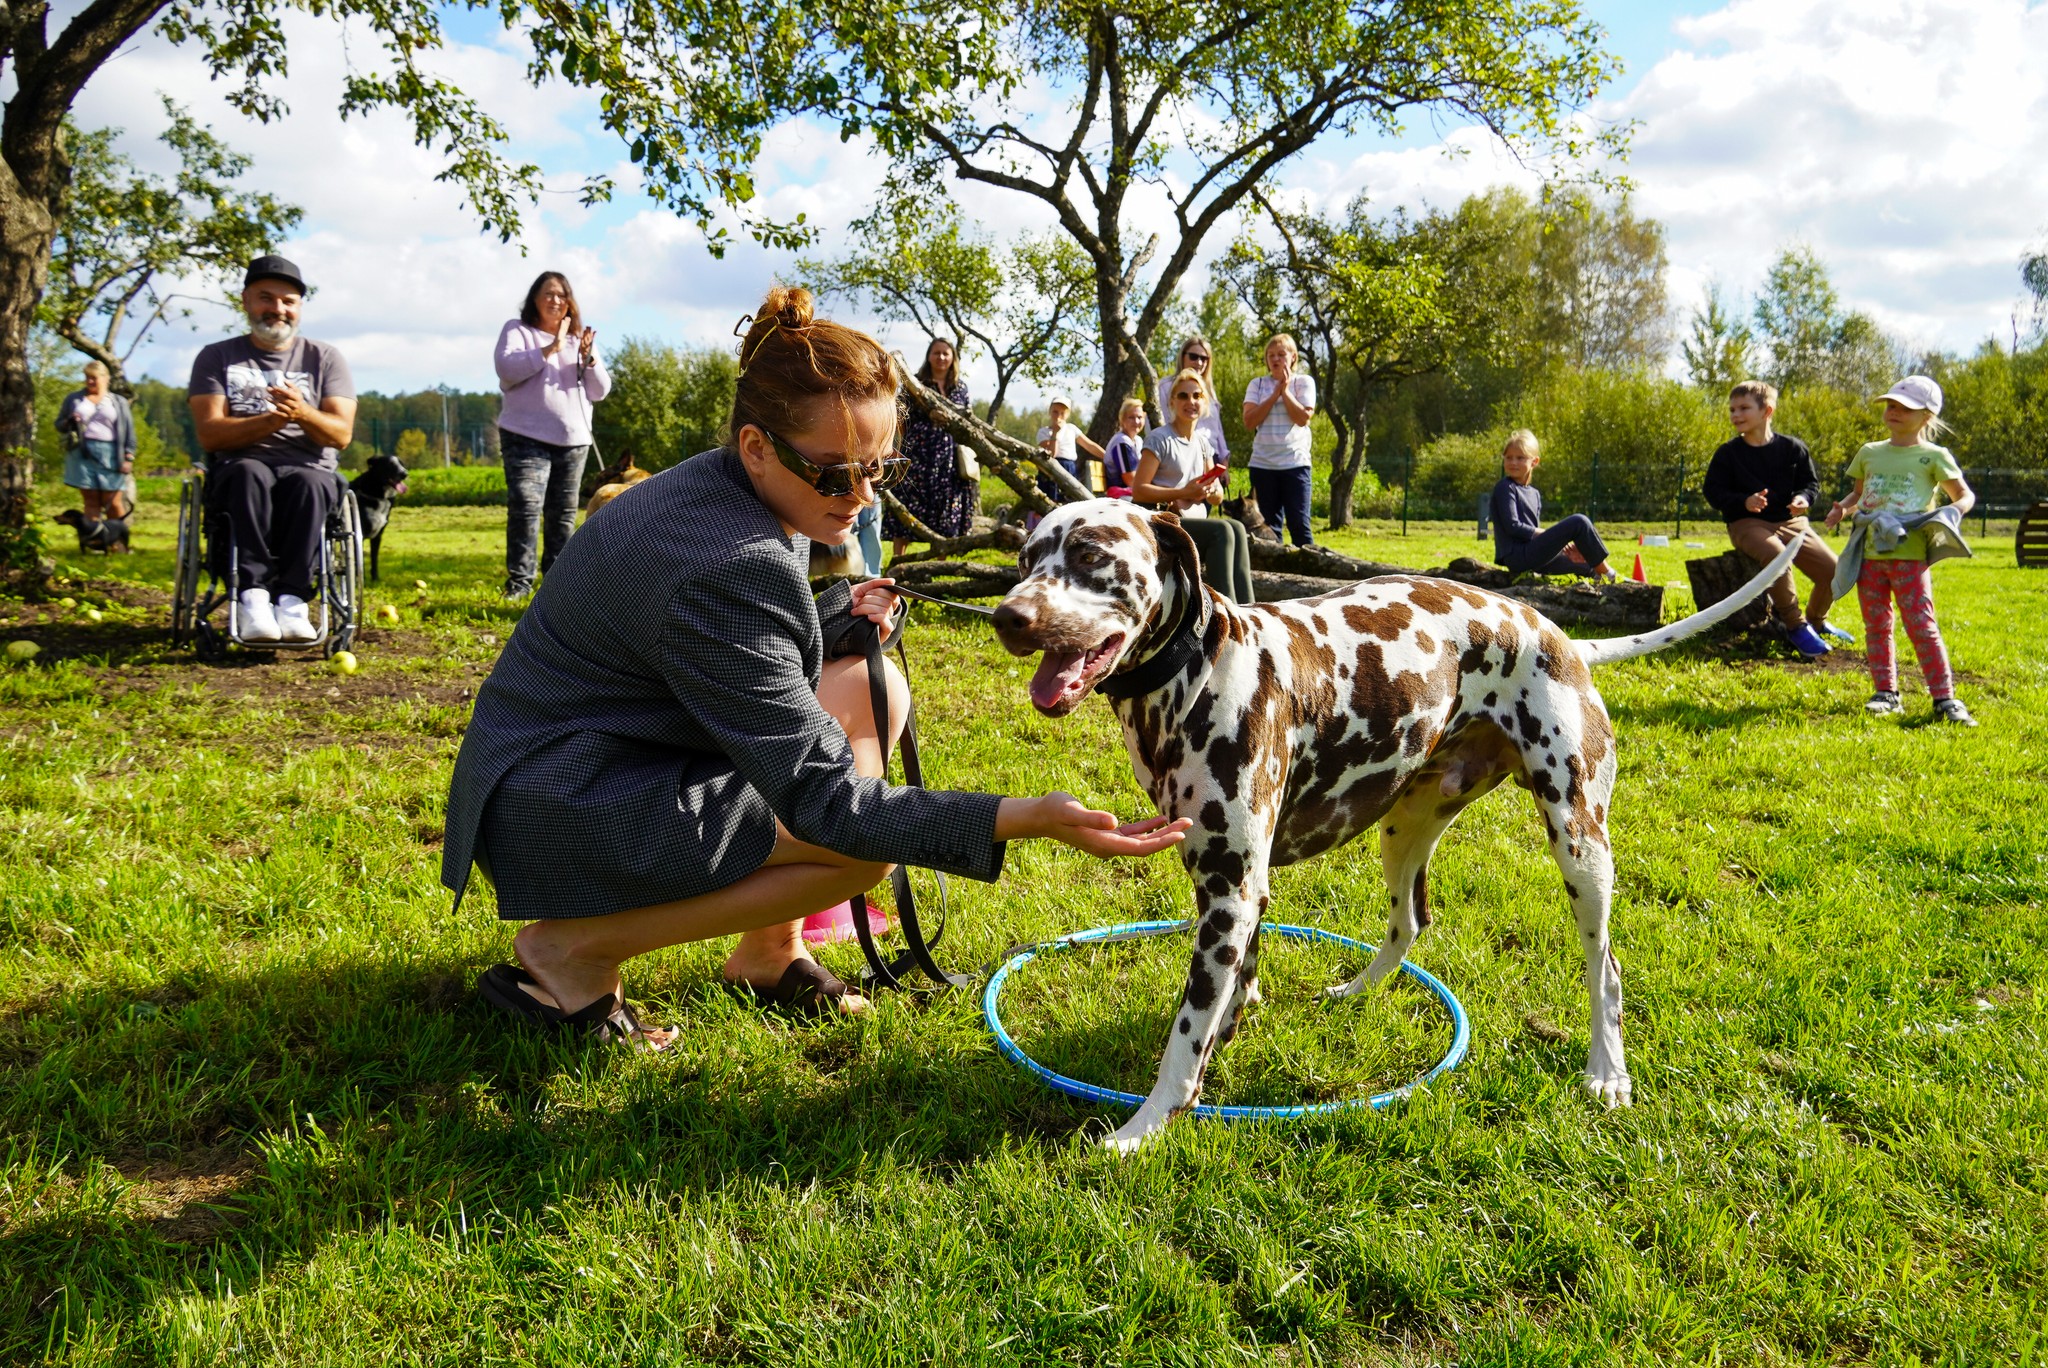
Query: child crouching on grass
{"points": [[1900, 528]]}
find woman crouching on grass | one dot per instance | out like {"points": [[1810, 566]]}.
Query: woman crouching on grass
{"points": [[663, 755]]}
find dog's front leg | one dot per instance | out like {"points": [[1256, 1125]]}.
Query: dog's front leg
{"points": [[1221, 977]]}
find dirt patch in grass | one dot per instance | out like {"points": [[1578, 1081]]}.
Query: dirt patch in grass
{"points": [[182, 1201], [134, 641]]}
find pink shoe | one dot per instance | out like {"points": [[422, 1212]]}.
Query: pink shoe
{"points": [[836, 924]]}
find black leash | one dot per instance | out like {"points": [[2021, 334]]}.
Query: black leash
{"points": [[864, 636], [907, 592]]}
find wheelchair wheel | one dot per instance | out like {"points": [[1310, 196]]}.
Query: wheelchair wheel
{"points": [[189, 566], [209, 642], [342, 577]]}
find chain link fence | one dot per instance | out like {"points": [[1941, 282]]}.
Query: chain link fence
{"points": [[1653, 494]]}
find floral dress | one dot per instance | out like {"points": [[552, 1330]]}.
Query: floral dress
{"points": [[933, 490]]}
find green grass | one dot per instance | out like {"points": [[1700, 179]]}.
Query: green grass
{"points": [[250, 1113]]}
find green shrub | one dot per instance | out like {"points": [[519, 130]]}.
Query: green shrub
{"points": [[455, 487], [1451, 473], [1620, 443]]}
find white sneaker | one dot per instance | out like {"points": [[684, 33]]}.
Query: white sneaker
{"points": [[258, 622], [294, 623]]}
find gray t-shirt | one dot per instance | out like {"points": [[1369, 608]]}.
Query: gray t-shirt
{"points": [[243, 372], [1180, 460]]}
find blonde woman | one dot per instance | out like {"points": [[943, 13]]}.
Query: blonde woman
{"points": [[1198, 356], [1179, 471], [101, 433], [1277, 408]]}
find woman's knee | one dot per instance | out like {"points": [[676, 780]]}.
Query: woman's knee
{"points": [[845, 693]]}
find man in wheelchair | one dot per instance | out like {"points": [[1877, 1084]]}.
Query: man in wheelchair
{"points": [[273, 411]]}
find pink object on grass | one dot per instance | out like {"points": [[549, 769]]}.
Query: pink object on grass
{"points": [[836, 924]]}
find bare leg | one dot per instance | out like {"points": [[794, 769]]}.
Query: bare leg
{"points": [[95, 504], [576, 960]]}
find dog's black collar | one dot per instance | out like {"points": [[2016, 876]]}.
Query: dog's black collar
{"points": [[1183, 647]]}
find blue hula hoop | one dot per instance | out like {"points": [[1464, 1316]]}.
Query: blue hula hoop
{"points": [[1461, 1037]]}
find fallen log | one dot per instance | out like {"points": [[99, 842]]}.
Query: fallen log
{"points": [[1000, 452], [1626, 606], [957, 579]]}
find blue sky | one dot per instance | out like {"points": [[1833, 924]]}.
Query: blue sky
{"points": [[1898, 138]]}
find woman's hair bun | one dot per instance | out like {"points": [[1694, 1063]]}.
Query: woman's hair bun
{"points": [[790, 358], [789, 305]]}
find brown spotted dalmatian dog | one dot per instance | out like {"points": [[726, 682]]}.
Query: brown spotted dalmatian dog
{"points": [[1285, 729]]}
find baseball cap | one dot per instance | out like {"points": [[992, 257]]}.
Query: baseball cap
{"points": [[1915, 392], [1059, 399], [273, 268]]}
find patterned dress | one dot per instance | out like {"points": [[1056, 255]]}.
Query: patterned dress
{"points": [[933, 490]]}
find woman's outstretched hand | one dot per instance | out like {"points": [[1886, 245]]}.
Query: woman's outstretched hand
{"points": [[1062, 817]]}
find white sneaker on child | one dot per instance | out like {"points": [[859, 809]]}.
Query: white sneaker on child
{"points": [[258, 622], [294, 622]]}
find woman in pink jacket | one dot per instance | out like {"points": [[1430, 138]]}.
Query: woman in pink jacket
{"points": [[551, 374]]}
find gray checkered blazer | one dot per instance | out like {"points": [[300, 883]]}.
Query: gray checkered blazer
{"points": [[655, 711]]}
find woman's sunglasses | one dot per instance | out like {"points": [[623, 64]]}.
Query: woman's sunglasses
{"points": [[838, 481]]}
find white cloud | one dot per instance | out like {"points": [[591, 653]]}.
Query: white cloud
{"points": [[1899, 139]]}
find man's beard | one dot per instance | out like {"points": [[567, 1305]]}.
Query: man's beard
{"points": [[271, 333]]}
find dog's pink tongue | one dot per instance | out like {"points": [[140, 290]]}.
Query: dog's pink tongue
{"points": [[1057, 672]]}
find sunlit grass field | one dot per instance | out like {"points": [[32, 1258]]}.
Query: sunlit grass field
{"points": [[250, 1111]]}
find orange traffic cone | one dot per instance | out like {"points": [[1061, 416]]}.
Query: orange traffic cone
{"points": [[1637, 573]]}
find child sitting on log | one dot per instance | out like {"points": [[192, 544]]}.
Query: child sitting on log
{"points": [[1520, 540]]}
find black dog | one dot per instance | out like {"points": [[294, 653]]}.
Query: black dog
{"points": [[104, 536], [376, 489]]}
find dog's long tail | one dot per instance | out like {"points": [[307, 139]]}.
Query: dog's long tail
{"points": [[1600, 652]]}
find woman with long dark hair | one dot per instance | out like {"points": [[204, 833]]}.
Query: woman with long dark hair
{"points": [[935, 491], [662, 753], [551, 374]]}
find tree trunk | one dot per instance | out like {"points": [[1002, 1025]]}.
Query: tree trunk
{"points": [[1716, 577], [117, 374], [1345, 464], [26, 229]]}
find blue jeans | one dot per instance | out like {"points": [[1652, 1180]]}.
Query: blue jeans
{"points": [[543, 489], [867, 528], [1541, 552], [1283, 497]]}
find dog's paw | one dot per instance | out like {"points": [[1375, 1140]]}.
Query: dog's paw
{"points": [[1252, 996], [1612, 1089], [1147, 1122]]}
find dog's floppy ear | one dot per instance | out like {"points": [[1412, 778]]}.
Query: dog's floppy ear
{"points": [[1177, 556]]}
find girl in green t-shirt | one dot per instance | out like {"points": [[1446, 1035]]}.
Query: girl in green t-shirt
{"points": [[1904, 476]]}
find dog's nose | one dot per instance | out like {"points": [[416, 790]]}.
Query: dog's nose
{"points": [[1010, 618]]}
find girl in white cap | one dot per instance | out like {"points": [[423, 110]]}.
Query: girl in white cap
{"points": [[1899, 483]]}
